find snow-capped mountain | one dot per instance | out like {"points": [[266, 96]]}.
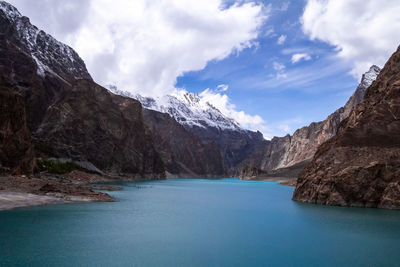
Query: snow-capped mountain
{"points": [[188, 109], [50, 55], [370, 76], [367, 79]]}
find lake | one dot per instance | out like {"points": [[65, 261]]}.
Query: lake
{"points": [[199, 222]]}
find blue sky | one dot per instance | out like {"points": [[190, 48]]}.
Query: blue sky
{"points": [[297, 94], [284, 63]]}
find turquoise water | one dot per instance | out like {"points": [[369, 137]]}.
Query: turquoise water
{"points": [[196, 222]]}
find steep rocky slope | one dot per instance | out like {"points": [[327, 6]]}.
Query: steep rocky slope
{"points": [[67, 113], [296, 150], [216, 131], [88, 124], [16, 147], [360, 165], [236, 146], [182, 152]]}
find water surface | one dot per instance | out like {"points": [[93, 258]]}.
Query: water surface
{"points": [[199, 222]]}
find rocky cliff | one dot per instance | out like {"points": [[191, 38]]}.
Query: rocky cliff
{"points": [[16, 147], [90, 124], [183, 153], [211, 143], [293, 152], [360, 165], [68, 114], [236, 146]]}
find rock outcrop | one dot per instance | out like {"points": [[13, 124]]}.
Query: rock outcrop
{"points": [[90, 124], [360, 165], [16, 147], [235, 146], [183, 153]]}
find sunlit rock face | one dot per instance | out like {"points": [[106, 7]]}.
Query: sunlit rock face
{"points": [[296, 150], [360, 165]]}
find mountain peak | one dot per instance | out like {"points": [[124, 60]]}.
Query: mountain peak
{"points": [[187, 108], [370, 75], [187, 97], [51, 56], [367, 79]]}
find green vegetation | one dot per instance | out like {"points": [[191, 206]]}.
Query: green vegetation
{"points": [[56, 166]]}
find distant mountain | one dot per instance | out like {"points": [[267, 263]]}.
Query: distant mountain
{"points": [[188, 109], [245, 152], [289, 154], [208, 124], [360, 165], [183, 153]]}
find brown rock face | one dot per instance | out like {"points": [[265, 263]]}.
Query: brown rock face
{"points": [[182, 152], [68, 114], [289, 154], [90, 124], [235, 147], [16, 148], [360, 166]]}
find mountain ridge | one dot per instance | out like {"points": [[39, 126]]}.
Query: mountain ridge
{"points": [[299, 148], [360, 165]]}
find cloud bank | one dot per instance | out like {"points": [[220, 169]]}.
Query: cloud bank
{"points": [[142, 46], [364, 32]]}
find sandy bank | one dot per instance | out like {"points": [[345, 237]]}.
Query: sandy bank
{"points": [[33, 191], [12, 200]]}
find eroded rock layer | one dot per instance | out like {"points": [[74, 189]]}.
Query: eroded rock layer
{"points": [[289, 154], [360, 165]]}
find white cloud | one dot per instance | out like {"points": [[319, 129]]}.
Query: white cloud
{"points": [[365, 32], [223, 103], [306, 78], [222, 88], [278, 66], [284, 127], [280, 70], [269, 32], [281, 39], [144, 45], [301, 56]]}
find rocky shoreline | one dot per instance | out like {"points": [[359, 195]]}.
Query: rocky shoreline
{"points": [[76, 186], [289, 181]]}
